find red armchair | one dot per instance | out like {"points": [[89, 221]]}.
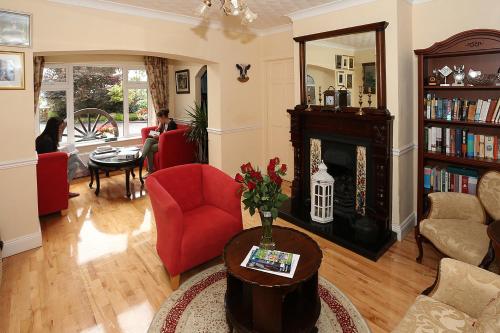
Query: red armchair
{"points": [[173, 149], [52, 182], [197, 209]]}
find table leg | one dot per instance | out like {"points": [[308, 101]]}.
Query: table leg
{"points": [[140, 173], [91, 176], [97, 181], [107, 173], [127, 181], [132, 173]]}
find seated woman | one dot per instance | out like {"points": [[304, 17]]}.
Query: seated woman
{"points": [[151, 144], [48, 142]]}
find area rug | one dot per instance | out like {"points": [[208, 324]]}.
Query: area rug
{"points": [[198, 306]]}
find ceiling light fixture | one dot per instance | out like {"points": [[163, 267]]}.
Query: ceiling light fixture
{"points": [[230, 8]]}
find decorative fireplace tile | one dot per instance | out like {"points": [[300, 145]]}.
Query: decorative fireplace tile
{"points": [[315, 157], [361, 180]]}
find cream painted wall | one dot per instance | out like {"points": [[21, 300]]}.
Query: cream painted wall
{"points": [[232, 104], [179, 103], [361, 57]]}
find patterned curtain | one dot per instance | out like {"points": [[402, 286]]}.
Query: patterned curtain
{"points": [[157, 70], [38, 64]]}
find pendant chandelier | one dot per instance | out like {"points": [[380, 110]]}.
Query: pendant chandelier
{"points": [[230, 8]]}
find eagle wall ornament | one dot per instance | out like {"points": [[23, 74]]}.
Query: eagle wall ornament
{"points": [[243, 68]]}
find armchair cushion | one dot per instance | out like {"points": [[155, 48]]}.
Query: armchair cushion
{"points": [[489, 320], [206, 231], [489, 193], [465, 287], [450, 205], [460, 239], [430, 315]]}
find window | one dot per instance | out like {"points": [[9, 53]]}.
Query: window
{"points": [[99, 102]]}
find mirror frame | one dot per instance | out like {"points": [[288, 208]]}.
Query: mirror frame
{"points": [[378, 28]]}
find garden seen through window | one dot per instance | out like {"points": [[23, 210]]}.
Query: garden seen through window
{"points": [[99, 103]]}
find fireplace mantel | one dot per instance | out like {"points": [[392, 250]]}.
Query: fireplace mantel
{"points": [[373, 129]]}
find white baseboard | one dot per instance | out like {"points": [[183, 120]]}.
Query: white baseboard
{"points": [[405, 227], [21, 244]]}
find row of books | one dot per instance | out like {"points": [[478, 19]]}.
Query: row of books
{"points": [[450, 179], [461, 142], [462, 109]]}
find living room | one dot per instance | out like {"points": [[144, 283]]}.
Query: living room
{"points": [[98, 266]]}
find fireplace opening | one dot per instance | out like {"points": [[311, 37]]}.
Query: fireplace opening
{"points": [[341, 161]]}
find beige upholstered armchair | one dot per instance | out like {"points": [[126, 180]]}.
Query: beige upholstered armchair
{"points": [[456, 222], [465, 299]]}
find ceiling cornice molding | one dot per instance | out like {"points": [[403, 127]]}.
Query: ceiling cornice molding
{"points": [[273, 30], [166, 16], [132, 10], [331, 45], [326, 8], [417, 2]]}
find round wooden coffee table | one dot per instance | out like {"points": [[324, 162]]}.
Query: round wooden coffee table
{"points": [[112, 163], [261, 302], [494, 234]]}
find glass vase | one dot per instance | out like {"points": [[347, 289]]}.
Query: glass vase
{"points": [[266, 242]]}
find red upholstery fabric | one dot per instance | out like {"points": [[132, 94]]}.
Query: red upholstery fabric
{"points": [[173, 149], [193, 219], [52, 182]]}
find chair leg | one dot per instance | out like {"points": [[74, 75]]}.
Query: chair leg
{"points": [[419, 241], [175, 281]]}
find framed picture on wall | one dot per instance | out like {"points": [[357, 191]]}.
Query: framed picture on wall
{"points": [[338, 61], [348, 81], [345, 62], [15, 29], [11, 70], [341, 78], [351, 62], [369, 75], [182, 81]]}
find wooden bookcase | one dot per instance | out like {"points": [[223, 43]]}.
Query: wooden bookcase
{"points": [[477, 49]]}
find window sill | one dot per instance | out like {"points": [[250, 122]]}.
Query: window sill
{"points": [[92, 145]]}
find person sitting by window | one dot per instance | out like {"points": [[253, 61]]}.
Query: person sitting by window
{"points": [[151, 144], [48, 142]]}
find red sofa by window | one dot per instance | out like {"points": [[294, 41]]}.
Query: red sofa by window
{"points": [[197, 209], [173, 149], [52, 182]]}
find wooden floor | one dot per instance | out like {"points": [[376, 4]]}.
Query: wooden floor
{"points": [[98, 270]]}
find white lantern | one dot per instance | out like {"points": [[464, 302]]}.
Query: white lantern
{"points": [[322, 195]]}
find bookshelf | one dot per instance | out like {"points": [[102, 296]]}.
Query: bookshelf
{"points": [[475, 49]]}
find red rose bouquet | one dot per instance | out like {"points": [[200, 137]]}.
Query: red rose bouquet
{"points": [[262, 192]]}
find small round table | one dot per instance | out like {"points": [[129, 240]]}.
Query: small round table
{"points": [[494, 234], [261, 302], [113, 164]]}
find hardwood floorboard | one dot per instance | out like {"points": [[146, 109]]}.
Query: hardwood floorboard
{"points": [[98, 270]]}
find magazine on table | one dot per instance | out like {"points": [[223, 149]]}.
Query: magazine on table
{"points": [[271, 261]]}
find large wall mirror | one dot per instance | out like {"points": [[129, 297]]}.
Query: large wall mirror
{"points": [[336, 66]]}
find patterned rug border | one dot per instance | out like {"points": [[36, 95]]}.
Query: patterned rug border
{"points": [[170, 312]]}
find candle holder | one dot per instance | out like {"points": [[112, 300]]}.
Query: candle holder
{"points": [[369, 97], [360, 112], [319, 94]]}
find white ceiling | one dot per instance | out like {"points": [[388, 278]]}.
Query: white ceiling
{"points": [[271, 12]]}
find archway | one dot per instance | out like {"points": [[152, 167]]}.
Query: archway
{"points": [[201, 94]]}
